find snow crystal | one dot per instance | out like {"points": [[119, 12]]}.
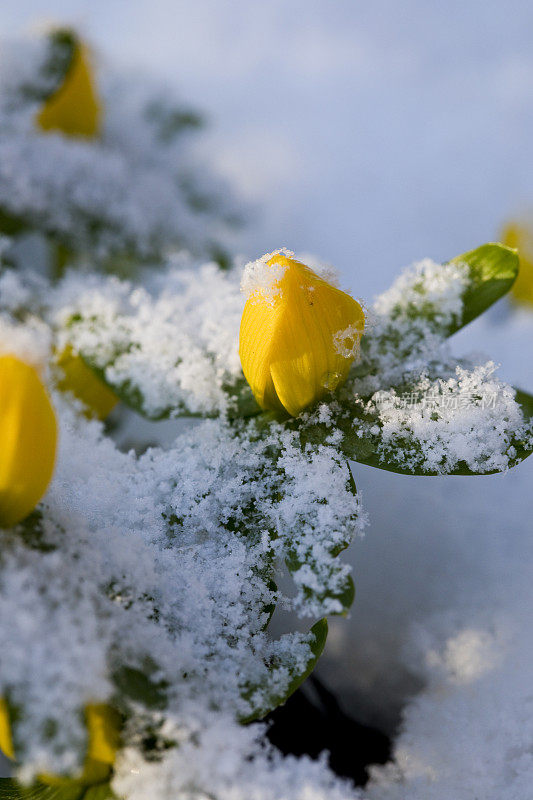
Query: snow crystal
{"points": [[471, 418], [346, 341], [216, 758], [261, 278], [30, 342], [176, 349]]}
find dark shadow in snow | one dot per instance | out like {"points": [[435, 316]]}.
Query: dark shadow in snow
{"points": [[312, 721]]}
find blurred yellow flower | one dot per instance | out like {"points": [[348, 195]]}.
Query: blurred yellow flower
{"points": [[103, 733], [79, 379], [6, 742], [520, 236], [28, 436], [299, 335], [74, 108]]}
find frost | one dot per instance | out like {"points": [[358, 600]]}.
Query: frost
{"points": [[346, 341], [30, 342], [176, 347], [262, 278], [218, 759], [471, 418]]}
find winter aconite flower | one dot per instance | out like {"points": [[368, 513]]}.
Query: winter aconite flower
{"points": [[28, 434], [6, 741], [79, 379], [103, 725], [74, 108], [299, 334], [520, 236]]}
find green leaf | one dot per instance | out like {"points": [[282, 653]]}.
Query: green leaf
{"points": [[525, 401], [128, 394], [361, 439], [269, 609], [102, 791], [493, 269], [357, 450], [9, 790], [169, 121], [12, 790], [140, 686], [243, 401], [10, 225], [32, 533], [319, 633]]}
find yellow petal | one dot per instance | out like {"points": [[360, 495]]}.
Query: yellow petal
{"points": [[103, 725], [103, 731], [28, 436], [74, 108], [520, 236], [6, 741], [79, 379], [298, 341], [103, 728]]}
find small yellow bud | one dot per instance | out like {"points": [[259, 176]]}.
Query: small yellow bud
{"points": [[79, 379], [103, 733], [74, 108], [299, 335], [28, 436], [103, 727], [520, 236], [6, 741]]}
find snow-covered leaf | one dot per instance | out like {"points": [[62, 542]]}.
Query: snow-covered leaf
{"points": [[269, 701], [12, 790]]}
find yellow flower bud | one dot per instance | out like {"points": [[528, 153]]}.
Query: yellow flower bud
{"points": [[103, 733], [6, 742], [299, 335], [520, 236], [28, 436], [74, 108], [79, 379]]}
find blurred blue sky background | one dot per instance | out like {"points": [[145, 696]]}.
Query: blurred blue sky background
{"points": [[370, 134]]}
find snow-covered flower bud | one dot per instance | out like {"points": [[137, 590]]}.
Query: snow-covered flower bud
{"points": [[74, 108], [79, 379], [103, 725], [299, 333], [28, 436]]}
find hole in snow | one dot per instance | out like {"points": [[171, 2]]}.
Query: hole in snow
{"points": [[312, 721]]}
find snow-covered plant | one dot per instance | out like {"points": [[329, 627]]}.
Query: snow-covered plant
{"points": [[135, 600], [99, 165]]}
